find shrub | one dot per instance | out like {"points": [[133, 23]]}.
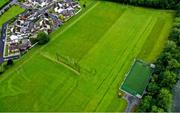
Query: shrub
{"points": [[9, 62]]}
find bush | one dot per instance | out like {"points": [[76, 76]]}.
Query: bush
{"points": [[9, 62], [42, 38], [84, 5]]}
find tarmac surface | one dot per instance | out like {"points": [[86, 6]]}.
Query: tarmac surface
{"points": [[2, 41]]}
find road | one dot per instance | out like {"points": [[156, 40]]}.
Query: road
{"points": [[12, 2], [176, 99], [2, 41]]}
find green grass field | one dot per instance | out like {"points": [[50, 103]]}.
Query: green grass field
{"points": [[104, 39], [10, 13], [2, 2], [137, 79]]}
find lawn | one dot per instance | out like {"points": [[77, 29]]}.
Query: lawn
{"points": [[104, 40], [3, 2], [10, 13]]}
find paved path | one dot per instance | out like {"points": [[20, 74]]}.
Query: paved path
{"points": [[132, 101]]}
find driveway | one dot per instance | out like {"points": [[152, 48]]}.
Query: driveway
{"points": [[132, 101]]}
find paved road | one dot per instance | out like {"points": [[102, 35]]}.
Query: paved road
{"points": [[12, 57], [2, 42], [12, 2], [21, 5], [176, 100], [2, 39], [7, 6]]}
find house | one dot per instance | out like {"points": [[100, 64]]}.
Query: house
{"points": [[64, 8], [14, 39], [40, 3], [24, 45], [27, 24], [44, 25], [13, 48]]}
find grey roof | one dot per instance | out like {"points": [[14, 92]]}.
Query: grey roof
{"points": [[40, 1]]}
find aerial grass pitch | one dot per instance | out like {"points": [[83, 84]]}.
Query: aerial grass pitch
{"points": [[10, 13], [104, 40], [137, 79]]}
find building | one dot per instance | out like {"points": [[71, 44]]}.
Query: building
{"points": [[41, 3]]}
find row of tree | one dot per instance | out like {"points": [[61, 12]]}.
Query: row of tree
{"points": [[165, 4], [21, 1], [4, 4], [159, 92]]}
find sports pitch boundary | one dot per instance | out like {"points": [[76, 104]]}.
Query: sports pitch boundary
{"points": [[137, 79]]}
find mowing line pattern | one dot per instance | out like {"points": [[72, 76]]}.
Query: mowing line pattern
{"points": [[104, 40]]}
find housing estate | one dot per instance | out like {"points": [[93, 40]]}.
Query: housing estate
{"points": [[21, 31]]}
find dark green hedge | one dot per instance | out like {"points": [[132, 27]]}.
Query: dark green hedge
{"points": [[162, 4]]}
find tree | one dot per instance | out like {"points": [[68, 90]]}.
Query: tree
{"points": [[22, 1], [164, 99], [157, 109], [162, 61], [171, 46], [169, 79], [145, 104], [153, 88], [173, 64], [42, 38], [178, 9], [84, 5], [165, 4], [175, 32], [61, 17], [10, 62]]}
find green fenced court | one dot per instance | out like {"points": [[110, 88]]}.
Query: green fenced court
{"points": [[137, 79]]}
